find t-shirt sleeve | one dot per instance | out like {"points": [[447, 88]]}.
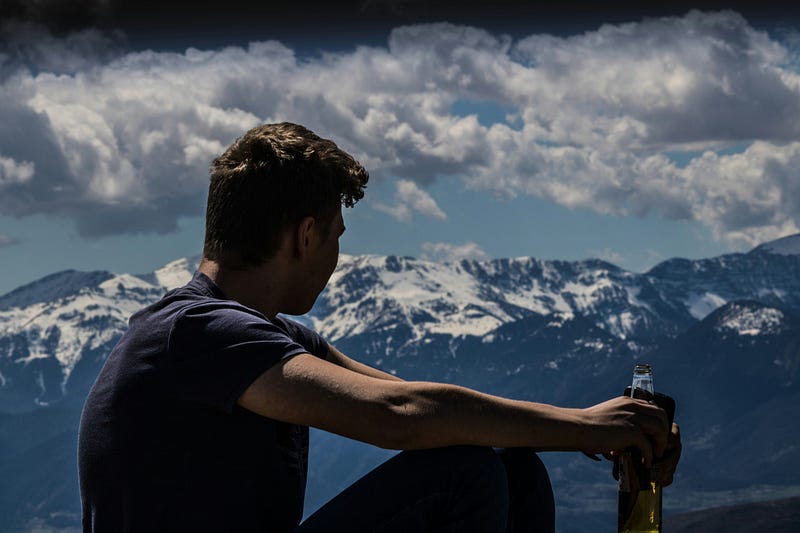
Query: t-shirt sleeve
{"points": [[309, 338], [216, 351]]}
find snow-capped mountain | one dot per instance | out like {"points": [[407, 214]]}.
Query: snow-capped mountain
{"points": [[49, 327], [392, 306], [370, 294], [737, 374], [469, 297], [722, 333], [743, 319]]}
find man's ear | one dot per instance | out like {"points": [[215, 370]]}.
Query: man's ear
{"points": [[303, 236]]}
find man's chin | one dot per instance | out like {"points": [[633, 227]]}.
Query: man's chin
{"points": [[298, 310]]}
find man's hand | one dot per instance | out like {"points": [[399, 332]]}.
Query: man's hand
{"points": [[669, 461], [621, 423]]}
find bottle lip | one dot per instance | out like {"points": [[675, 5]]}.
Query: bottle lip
{"points": [[642, 368]]}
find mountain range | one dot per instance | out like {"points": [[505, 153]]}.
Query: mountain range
{"points": [[723, 335]]}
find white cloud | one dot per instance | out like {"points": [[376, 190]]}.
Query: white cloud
{"points": [[121, 142], [444, 252], [14, 172], [411, 198], [399, 212], [752, 196]]}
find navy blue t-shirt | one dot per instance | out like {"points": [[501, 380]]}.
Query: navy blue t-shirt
{"points": [[163, 445]]}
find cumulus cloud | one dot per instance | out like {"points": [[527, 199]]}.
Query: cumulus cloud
{"points": [[444, 252], [411, 198], [688, 118]]}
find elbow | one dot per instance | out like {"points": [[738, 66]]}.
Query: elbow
{"points": [[409, 423]]}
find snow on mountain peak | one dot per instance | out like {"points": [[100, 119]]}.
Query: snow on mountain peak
{"points": [[429, 297], [176, 273], [789, 245], [750, 320], [67, 314], [701, 305], [464, 298], [406, 302]]}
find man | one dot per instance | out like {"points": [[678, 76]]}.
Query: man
{"points": [[199, 419]]}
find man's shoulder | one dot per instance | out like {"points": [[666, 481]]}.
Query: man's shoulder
{"points": [[303, 334], [199, 316], [155, 322], [217, 323], [199, 295]]}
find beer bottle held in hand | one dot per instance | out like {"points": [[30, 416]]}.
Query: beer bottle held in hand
{"points": [[639, 487]]}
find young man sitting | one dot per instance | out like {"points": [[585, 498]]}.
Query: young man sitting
{"points": [[199, 419]]}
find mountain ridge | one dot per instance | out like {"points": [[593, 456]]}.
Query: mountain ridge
{"points": [[722, 333], [788, 245], [49, 325]]}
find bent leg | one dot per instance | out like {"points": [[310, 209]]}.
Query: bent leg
{"points": [[531, 502], [454, 489]]}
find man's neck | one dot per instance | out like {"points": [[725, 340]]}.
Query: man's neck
{"points": [[260, 288]]}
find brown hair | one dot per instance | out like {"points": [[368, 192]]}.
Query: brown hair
{"points": [[270, 178]]}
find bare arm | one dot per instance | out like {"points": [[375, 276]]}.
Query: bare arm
{"points": [[309, 391], [338, 358]]}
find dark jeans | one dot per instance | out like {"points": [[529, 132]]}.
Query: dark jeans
{"points": [[457, 489]]}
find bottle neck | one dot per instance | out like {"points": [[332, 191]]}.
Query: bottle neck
{"points": [[642, 381]]}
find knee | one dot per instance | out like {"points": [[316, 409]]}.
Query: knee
{"points": [[482, 484], [467, 463], [481, 468], [523, 465], [477, 458], [532, 506], [522, 460]]}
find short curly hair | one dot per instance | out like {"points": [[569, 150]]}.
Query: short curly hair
{"points": [[270, 178]]}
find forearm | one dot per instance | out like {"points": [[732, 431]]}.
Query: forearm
{"points": [[441, 415], [444, 414], [434, 415]]}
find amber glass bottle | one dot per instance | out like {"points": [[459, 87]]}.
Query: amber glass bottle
{"points": [[639, 487]]}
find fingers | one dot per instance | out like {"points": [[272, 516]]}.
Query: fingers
{"points": [[651, 423], [667, 477], [651, 435], [674, 445], [654, 426], [675, 436], [645, 448], [672, 455], [630, 422]]}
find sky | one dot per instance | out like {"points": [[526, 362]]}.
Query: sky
{"points": [[490, 129]]}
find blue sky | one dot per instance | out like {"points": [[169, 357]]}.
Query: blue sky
{"points": [[490, 130]]}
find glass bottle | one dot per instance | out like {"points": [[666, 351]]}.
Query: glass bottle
{"points": [[639, 487]]}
